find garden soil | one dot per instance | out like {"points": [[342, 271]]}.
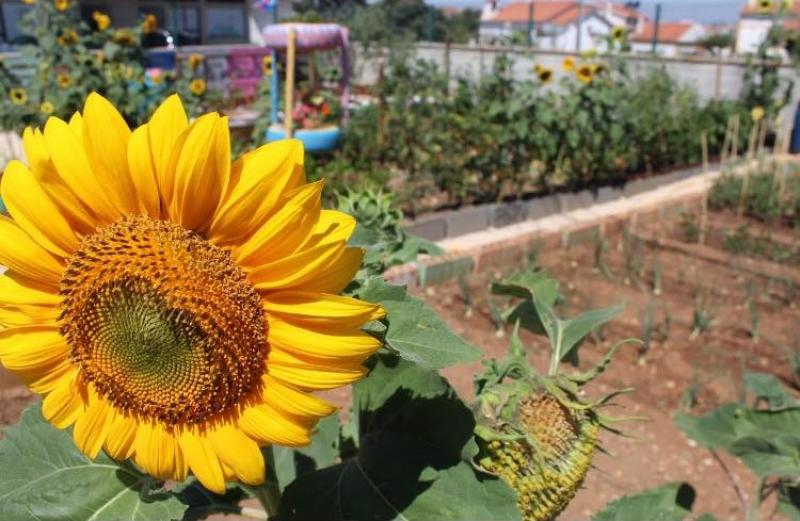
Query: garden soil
{"points": [[678, 370]]}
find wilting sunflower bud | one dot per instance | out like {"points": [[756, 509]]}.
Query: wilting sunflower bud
{"points": [[543, 452]]}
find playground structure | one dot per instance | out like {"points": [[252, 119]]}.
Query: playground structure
{"points": [[305, 39]]}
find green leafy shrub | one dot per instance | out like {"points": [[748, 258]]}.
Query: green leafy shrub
{"points": [[763, 199], [380, 230], [479, 141]]}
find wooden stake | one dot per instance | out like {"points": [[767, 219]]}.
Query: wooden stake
{"points": [[743, 192], [291, 39], [726, 142], [762, 135], [701, 238], [704, 145], [751, 143], [736, 126]]}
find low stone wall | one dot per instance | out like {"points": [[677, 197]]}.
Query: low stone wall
{"points": [[454, 223], [555, 221]]}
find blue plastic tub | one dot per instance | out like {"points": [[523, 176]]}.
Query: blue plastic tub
{"points": [[314, 140]]}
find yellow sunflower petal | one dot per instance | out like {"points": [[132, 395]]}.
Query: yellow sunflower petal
{"points": [[306, 307], [105, 138], [294, 402], [120, 443], [169, 121], [45, 172], [20, 253], [143, 172], [294, 270], [32, 349], [66, 152], [201, 172], [16, 290], [155, 450], [240, 453], [285, 230], [262, 422], [309, 373], [12, 315], [64, 403], [23, 302], [92, 427], [76, 125], [266, 174], [323, 342], [344, 268], [35, 149], [332, 226], [203, 461], [34, 212]]}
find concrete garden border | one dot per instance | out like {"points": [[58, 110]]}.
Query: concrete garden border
{"points": [[455, 223], [472, 244]]}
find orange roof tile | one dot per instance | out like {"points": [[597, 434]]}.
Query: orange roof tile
{"points": [[560, 12], [669, 32]]}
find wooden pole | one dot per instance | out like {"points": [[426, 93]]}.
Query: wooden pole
{"points": [[291, 40], [735, 147]]}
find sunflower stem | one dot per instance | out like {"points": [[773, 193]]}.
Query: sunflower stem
{"points": [[269, 494]]}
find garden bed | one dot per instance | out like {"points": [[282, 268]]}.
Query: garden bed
{"points": [[679, 370]]}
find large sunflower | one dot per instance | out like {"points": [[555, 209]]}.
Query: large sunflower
{"points": [[176, 308]]}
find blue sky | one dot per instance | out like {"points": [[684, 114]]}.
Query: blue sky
{"points": [[706, 11]]}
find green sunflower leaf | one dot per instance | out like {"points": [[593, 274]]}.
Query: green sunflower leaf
{"points": [[415, 332], [45, 477], [766, 441], [672, 502], [413, 461]]}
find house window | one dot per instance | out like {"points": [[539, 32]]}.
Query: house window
{"points": [[181, 19], [187, 24], [12, 13], [226, 22]]}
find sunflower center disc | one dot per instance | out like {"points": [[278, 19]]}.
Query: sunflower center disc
{"points": [[163, 323]]}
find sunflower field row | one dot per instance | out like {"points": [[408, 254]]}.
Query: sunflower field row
{"points": [[483, 141]]}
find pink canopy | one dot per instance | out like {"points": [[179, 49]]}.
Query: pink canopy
{"points": [[310, 37]]}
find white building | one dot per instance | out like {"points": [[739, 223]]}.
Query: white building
{"points": [[755, 23], [565, 25], [673, 38]]}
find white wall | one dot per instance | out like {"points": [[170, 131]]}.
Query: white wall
{"points": [[750, 33], [592, 31], [666, 50], [694, 33]]}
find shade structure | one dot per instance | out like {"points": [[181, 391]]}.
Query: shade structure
{"points": [[306, 38]]}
